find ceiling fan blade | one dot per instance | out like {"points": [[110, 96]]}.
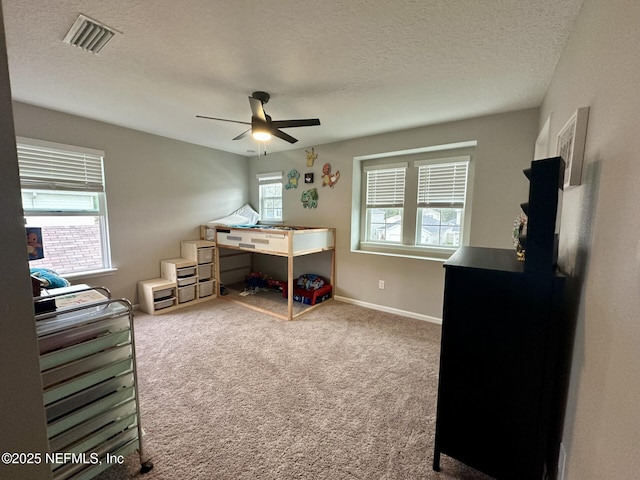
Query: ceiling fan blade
{"points": [[288, 138], [303, 122], [223, 119], [242, 135], [257, 109]]}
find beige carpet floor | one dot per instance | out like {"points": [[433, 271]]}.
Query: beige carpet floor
{"points": [[343, 392]]}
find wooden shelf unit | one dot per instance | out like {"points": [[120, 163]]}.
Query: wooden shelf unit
{"points": [[203, 253], [183, 281]]}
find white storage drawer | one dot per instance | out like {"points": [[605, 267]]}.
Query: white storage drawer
{"points": [[186, 294], [164, 293], [205, 288], [165, 303], [76, 408], [63, 339], [186, 272], [183, 282], [66, 439], [205, 255], [84, 365], [75, 352], [205, 272], [60, 391]]}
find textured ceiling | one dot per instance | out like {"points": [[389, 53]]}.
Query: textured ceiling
{"points": [[362, 66]]}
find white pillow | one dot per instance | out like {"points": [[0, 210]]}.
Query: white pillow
{"points": [[248, 212], [231, 220], [245, 215]]}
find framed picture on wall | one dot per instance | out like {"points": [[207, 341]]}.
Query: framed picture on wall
{"points": [[570, 146]]}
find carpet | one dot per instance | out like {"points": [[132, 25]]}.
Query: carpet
{"points": [[343, 392]]}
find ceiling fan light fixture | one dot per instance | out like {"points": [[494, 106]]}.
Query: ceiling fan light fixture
{"points": [[261, 135]]}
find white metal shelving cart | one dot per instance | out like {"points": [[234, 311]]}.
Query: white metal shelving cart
{"points": [[89, 378]]}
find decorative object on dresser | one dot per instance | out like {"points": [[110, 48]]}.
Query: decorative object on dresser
{"points": [[89, 380], [570, 146], [499, 392], [519, 235]]}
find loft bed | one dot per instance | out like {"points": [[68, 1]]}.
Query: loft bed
{"points": [[282, 241]]}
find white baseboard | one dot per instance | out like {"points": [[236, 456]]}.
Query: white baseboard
{"points": [[395, 311]]}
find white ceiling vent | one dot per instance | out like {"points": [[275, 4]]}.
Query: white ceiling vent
{"points": [[88, 34]]}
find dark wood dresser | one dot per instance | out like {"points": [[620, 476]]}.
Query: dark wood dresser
{"points": [[500, 348]]}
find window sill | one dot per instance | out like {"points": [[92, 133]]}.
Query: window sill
{"points": [[89, 274], [406, 251]]}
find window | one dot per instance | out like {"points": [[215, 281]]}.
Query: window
{"points": [[63, 194], [442, 188], [270, 192], [384, 199], [415, 207]]}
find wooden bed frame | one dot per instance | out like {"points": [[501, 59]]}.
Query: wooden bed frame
{"points": [[283, 241]]}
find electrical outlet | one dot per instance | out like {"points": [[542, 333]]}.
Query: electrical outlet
{"points": [[381, 284]]}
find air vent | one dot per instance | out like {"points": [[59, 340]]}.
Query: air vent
{"points": [[89, 35]]}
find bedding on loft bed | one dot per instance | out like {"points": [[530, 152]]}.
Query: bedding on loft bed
{"points": [[245, 215]]}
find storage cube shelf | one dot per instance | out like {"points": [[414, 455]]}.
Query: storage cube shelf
{"points": [[157, 294], [183, 280]]}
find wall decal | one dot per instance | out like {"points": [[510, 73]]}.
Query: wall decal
{"points": [[309, 198], [570, 146], [327, 177], [311, 157], [293, 177]]}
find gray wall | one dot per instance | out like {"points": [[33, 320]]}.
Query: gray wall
{"points": [[158, 190], [412, 286], [21, 405], [599, 241]]}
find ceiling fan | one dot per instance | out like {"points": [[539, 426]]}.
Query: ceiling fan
{"points": [[262, 126]]}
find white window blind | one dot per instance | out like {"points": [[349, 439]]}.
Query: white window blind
{"points": [[442, 185], [385, 187], [48, 168], [266, 178]]}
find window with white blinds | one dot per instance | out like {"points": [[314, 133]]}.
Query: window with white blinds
{"points": [[385, 186], [63, 194], [414, 207], [47, 168], [442, 185], [384, 203]]}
